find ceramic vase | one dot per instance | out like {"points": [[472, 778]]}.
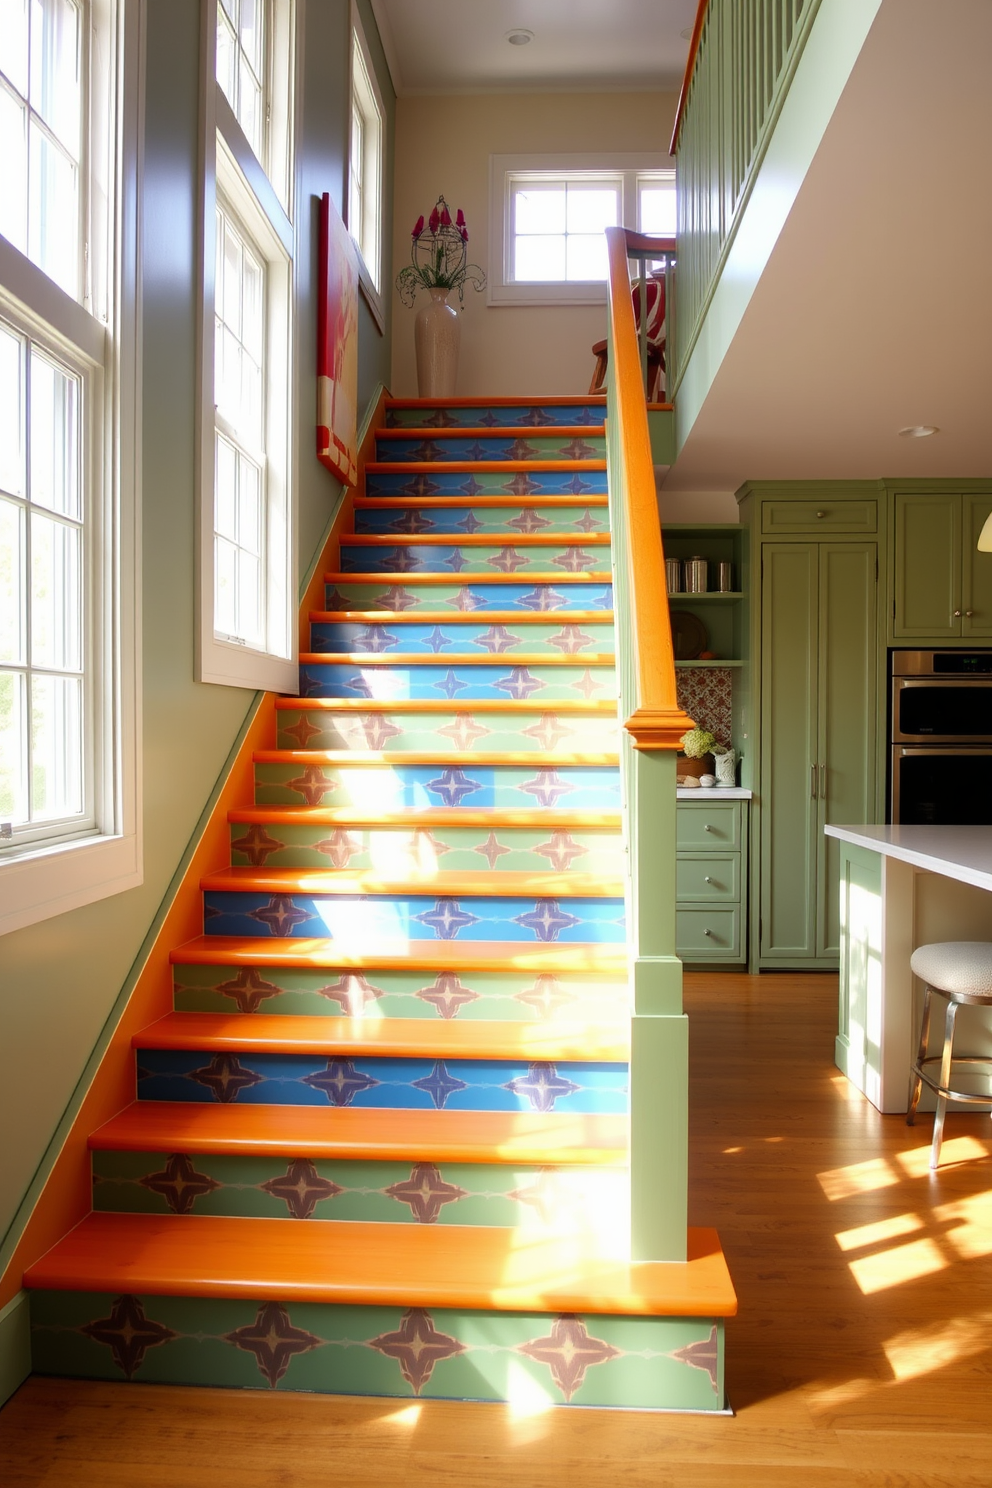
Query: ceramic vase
{"points": [[436, 335]]}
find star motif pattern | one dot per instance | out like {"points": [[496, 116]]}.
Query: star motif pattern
{"points": [[448, 994], [469, 487], [548, 730], [179, 1183], [313, 785], [536, 419], [417, 1347], [302, 731], [577, 449], [413, 522], [546, 996], [452, 786], [281, 915], [397, 598], [440, 1085], [570, 639], [519, 449], [547, 920], [129, 1333], [588, 523], [588, 686], [701, 1355], [225, 1077], [352, 992], [522, 485], [469, 523], [546, 787], [375, 639], [450, 685], [492, 850], [399, 560], [419, 485], [465, 600], [542, 597], [437, 640], [301, 1188], [447, 918], [498, 639], [256, 845], [575, 560], [425, 451], [456, 560], [426, 1193], [340, 1081], [377, 730], [273, 1340], [507, 560], [340, 847], [249, 989], [359, 685], [546, 1195], [529, 521], [561, 851], [335, 600], [569, 1350], [464, 730], [520, 683], [542, 1086]]}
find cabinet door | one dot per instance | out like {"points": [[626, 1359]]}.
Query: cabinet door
{"points": [[976, 587], [847, 708], [789, 584], [927, 577]]}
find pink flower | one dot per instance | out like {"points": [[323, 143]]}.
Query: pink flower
{"points": [[460, 218], [434, 221], [419, 228], [445, 217]]}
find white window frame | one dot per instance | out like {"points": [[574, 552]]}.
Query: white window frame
{"points": [[232, 170], [278, 102], [626, 171], [367, 235], [99, 337]]}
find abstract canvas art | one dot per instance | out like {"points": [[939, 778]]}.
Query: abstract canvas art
{"points": [[337, 347]]}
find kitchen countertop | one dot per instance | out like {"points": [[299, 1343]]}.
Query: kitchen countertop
{"points": [[962, 853], [713, 792]]}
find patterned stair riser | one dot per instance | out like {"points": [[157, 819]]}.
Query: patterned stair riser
{"points": [[357, 922], [461, 637], [415, 519], [591, 1201], [329, 991], [394, 786], [322, 728], [451, 556], [438, 446], [579, 483], [580, 682], [396, 851], [473, 594], [507, 416], [535, 1360], [373, 1082]]}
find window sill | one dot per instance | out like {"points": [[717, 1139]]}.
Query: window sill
{"points": [[38, 885], [575, 293]]}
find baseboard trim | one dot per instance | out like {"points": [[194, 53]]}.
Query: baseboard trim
{"points": [[15, 1345]]}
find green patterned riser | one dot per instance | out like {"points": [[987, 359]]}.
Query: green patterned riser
{"points": [[399, 786], [439, 555], [398, 851], [532, 1360], [497, 415], [464, 635], [504, 996], [586, 1201], [450, 446], [477, 594], [468, 732], [509, 520]]}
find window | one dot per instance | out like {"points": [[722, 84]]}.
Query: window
{"points": [[68, 456], [254, 68], [365, 169], [547, 219]]}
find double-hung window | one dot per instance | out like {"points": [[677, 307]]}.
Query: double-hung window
{"points": [[68, 356], [548, 217], [247, 560], [365, 168]]}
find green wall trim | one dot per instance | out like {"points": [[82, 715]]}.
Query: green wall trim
{"points": [[661, 427], [15, 1345], [659, 1137]]}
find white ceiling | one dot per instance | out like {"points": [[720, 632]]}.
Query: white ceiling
{"points": [[460, 46]]}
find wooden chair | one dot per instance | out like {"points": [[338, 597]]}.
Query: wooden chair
{"points": [[656, 337]]}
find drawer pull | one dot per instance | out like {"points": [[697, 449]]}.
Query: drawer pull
{"points": [[957, 614], [707, 827], [821, 514], [709, 933], [968, 614], [707, 879]]}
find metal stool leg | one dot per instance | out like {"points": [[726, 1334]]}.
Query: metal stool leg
{"points": [[917, 1086], [945, 1080]]}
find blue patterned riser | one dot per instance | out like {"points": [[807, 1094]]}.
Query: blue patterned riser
{"points": [[537, 1360], [434, 447], [474, 594], [455, 520], [508, 416], [463, 637], [384, 682], [396, 786], [365, 921], [381, 1084], [567, 554], [582, 482]]}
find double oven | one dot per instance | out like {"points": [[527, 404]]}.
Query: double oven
{"points": [[941, 737]]}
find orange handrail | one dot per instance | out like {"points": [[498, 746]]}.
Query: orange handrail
{"points": [[657, 721], [697, 33]]}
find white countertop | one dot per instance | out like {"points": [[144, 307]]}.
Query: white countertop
{"points": [[712, 792], [962, 853]]}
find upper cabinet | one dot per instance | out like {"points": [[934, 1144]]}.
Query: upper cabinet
{"points": [[941, 586]]}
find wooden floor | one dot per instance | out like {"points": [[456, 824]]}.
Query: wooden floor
{"points": [[862, 1353]]}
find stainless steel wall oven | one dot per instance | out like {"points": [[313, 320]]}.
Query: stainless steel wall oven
{"points": [[941, 738]]}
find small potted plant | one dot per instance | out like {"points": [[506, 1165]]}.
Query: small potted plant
{"points": [[696, 758], [439, 264]]}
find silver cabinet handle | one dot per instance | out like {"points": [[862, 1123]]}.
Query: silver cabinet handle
{"points": [[707, 827], [969, 613], [957, 614], [709, 933], [812, 782], [707, 879], [823, 782]]}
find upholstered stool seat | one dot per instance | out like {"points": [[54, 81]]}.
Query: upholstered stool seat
{"points": [[961, 972]]}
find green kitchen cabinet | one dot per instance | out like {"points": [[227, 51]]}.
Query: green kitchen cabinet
{"points": [[818, 710], [941, 584], [711, 878]]}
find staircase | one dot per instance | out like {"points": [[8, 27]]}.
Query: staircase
{"points": [[380, 1144]]}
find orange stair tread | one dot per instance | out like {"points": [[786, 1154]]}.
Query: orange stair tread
{"points": [[456, 503], [546, 760], [395, 659], [438, 705], [390, 1038], [476, 540], [377, 1135], [508, 884], [486, 431], [468, 617], [553, 400], [379, 1265], [403, 955], [451, 816], [533, 577]]}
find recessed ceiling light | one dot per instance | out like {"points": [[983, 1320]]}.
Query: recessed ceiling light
{"points": [[919, 431], [519, 37]]}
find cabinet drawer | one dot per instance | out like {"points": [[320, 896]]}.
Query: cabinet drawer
{"points": [[807, 517], [708, 934], [708, 879], [708, 827]]}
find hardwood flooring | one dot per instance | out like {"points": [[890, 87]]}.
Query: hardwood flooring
{"points": [[862, 1354]]}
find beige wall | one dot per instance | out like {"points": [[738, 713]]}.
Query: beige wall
{"points": [[443, 144]]}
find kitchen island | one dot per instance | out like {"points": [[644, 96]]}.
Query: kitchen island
{"points": [[900, 887]]}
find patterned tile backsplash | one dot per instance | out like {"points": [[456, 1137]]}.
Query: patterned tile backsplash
{"points": [[706, 694]]}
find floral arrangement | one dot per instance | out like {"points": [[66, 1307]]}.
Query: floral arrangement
{"points": [[439, 256], [697, 743]]}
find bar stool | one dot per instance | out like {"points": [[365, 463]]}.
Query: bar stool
{"points": [[961, 972]]}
